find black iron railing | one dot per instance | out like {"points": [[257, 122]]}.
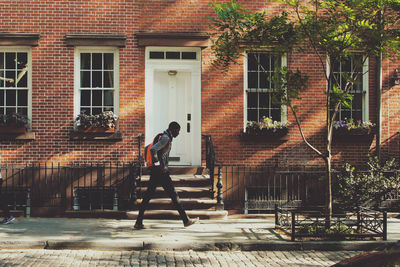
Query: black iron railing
{"points": [[75, 187], [303, 222], [210, 160]]}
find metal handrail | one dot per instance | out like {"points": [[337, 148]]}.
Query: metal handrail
{"points": [[210, 160]]}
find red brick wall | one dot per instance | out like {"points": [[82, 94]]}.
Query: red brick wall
{"points": [[222, 93]]}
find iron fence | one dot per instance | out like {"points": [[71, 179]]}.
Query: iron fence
{"points": [[301, 223], [55, 188]]}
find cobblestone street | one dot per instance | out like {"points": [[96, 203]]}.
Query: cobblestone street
{"points": [[43, 257]]}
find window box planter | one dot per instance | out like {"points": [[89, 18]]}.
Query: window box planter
{"points": [[353, 135], [265, 134], [12, 129], [93, 129]]}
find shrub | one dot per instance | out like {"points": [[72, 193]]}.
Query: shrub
{"points": [[14, 119], [356, 188], [106, 119]]}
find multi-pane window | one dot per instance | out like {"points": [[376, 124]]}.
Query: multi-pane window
{"points": [[260, 86], [351, 67], [14, 86], [97, 84]]}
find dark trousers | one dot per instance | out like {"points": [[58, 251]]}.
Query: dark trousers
{"points": [[4, 202], [163, 179]]}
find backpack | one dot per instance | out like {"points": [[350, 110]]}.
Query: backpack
{"points": [[148, 160]]}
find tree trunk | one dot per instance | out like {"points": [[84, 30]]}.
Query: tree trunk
{"points": [[328, 196]]}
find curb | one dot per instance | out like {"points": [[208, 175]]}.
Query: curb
{"points": [[123, 245]]}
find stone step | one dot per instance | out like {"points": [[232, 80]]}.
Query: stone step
{"points": [[174, 215], [187, 203], [183, 180], [183, 192]]}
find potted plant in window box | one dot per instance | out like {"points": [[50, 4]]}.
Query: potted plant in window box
{"points": [[266, 128], [351, 128], [104, 122], [13, 123]]}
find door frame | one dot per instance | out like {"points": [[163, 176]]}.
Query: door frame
{"points": [[192, 66]]}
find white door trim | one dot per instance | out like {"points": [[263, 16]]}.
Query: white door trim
{"points": [[192, 66]]}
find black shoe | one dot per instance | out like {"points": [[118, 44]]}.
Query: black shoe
{"points": [[191, 221], [139, 226]]}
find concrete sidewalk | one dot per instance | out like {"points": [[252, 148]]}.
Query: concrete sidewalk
{"points": [[112, 234]]}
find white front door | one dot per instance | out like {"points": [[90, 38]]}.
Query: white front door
{"points": [[173, 94]]}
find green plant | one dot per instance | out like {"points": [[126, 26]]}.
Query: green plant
{"points": [[351, 124], [266, 124], [340, 228], [14, 119], [355, 188], [106, 119]]}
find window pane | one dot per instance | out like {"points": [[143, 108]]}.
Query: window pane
{"points": [[1, 60], [1, 98], [85, 79], [252, 115], [357, 115], [10, 75], [346, 65], [189, 55], [108, 98], [108, 61], [357, 101], [10, 110], [276, 62], [252, 62], [1, 81], [11, 99], [358, 85], [85, 110], [1, 110], [173, 55], [22, 97], [265, 62], [97, 79], [276, 114], [97, 62], [109, 109], [252, 80], [97, 98], [85, 98], [23, 111], [85, 61], [345, 114], [264, 100], [10, 60], [252, 100], [22, 59], [96, 111], [108, 79], [157, 55], [24, 81], [263, 113], [264, 80]]}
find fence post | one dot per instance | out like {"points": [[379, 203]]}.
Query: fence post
{"points": [[220, 200], [385, 225], [115, 202], [76, 199], [276, 215], [293, 226], [28, 203], [358, 220]]}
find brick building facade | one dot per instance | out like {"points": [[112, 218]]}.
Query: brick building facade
{"points": [[117, 52]]}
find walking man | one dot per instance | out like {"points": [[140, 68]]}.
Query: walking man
{"points": [[4, 206], [159, 175]]}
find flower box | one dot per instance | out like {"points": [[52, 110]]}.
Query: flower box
{"points": [[265, 134], [12, 129], [352, 132], [93, 129]]}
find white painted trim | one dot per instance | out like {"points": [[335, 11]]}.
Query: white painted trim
{"points": [[366, 89], [86, 49], [28, 50], [193, 66], [284, 112]]}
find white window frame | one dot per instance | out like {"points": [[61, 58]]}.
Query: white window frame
{"points": [[245, 84], [28, 50], [77, 95], [365, 90]]}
